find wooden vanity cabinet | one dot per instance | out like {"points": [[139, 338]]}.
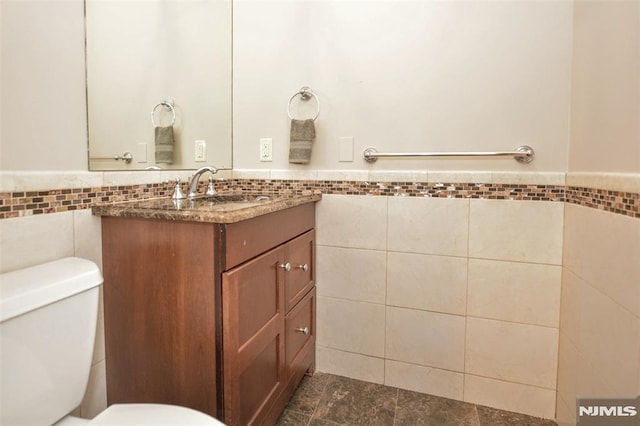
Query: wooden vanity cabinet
{"points": [[260, 331], [216, 317]]}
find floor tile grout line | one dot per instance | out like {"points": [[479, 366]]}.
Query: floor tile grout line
{"points": [[329, 378], [395, 411]]}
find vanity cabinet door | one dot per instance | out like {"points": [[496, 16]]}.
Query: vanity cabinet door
{"points": [[301, 277], [253, 339]]}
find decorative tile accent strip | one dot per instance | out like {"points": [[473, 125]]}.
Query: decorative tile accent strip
{"points": [[15, 204], [625, 203]]}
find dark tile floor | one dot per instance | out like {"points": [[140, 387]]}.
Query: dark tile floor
{"points": [[328, 400]]}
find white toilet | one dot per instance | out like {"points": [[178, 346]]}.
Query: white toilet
{"points": [[48, 319]]}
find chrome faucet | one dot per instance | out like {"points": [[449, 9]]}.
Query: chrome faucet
{"points": [[193, 183]]}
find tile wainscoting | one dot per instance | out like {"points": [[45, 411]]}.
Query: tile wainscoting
{"points": [[443, 282]]}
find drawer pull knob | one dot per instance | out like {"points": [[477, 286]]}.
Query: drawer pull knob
{"points": [[304, 267], [304, 331], [286, 266]]}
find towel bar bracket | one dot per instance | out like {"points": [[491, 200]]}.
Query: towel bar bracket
{"points": [[523, 154]]}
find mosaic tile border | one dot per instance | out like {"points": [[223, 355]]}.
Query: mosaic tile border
{"points": [[16, 204], [619, 202]]}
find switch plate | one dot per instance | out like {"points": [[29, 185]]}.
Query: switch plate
{"points": [[266, 149], [201, 151], [345, 153]]}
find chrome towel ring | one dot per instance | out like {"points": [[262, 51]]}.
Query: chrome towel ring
{"points": [[305, 94], [168, 104]]}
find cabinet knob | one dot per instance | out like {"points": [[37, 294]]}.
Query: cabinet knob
{"points": [[304, 267], [304, 331], [286, 266]]}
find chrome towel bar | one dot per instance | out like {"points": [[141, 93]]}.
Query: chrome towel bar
{"points": [[522, 154]]}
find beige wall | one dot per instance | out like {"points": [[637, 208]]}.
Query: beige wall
{"points": [[605, 104], [397, 75], [43, 112], [405, 76], [600, 321]]}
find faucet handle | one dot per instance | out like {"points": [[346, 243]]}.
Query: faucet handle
{"points": [[211, 190], [177, 191]]}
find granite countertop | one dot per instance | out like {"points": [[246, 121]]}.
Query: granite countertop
{"points": [[220, 208]]}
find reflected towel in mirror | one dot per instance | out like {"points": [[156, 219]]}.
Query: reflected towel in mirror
{"points": [[164, 144]]}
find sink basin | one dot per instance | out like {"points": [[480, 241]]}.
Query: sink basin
{"points": [[235, 198]]}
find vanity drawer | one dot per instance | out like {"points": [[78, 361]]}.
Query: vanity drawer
{"points": [[300, 333], [301, 277], [249, 238]]}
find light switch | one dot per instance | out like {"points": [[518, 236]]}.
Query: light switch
{"points": [[346, 149]]}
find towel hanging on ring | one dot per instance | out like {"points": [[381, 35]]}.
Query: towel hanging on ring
{"points": [[163, 135], [165, 144], [303, 132], [302, 135]]}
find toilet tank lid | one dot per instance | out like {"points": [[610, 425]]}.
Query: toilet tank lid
{"points": [[27, 289]]}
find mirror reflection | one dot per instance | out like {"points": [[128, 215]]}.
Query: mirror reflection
{"points": [[158, 84]]}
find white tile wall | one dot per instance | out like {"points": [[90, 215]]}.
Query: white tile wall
{"points": [[518, 292], [425, 338], [567, 372], [509, 396], [472, 294], [352, 221], [349, 364], [516, 231], [432, 283], [605, 325], [429, 226], [87, 236], [351, 326], [521, 353], [599, 353], [30, 240], [607, 255], [95, 399], [419, 378], [354, 274]]}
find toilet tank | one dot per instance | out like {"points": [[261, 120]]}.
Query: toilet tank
{"points": [[48, 319]]}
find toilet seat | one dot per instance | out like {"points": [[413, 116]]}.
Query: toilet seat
{"points": [[152, 415]]}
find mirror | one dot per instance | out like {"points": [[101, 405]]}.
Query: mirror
{"points": [[171, 58]]}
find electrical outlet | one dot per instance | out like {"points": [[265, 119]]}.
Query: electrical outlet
{"points": [[201, 151], [266, 149]]}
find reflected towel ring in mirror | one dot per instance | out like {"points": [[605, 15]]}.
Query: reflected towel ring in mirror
{"points": [[168, 105], [305, 94]]}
